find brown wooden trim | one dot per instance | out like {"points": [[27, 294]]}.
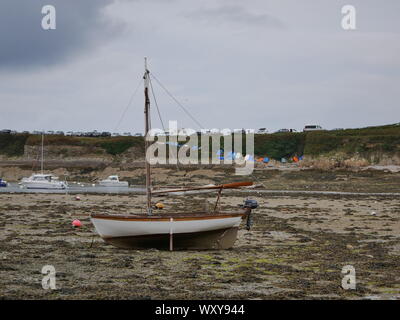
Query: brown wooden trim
{"points": [[176, 217]]}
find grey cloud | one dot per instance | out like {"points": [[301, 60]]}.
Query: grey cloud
{"points": [[236, 14], [219, 63], [24, 43]]}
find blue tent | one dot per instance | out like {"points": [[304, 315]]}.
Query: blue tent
{"points": [[266, 160], [231, 156], [249, 157]]}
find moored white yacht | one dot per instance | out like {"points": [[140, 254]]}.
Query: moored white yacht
{"points": [[113, 181], [43, 181]]}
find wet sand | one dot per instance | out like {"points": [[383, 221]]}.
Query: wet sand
{"points": [[296, 249]]}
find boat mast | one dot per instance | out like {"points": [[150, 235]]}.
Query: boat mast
{"points": [[147, 128], [41, 165]]}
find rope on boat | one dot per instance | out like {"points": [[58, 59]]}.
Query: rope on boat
{"points": [[159, 115], [128, 105], [177, 102], [171, 240], [155, 102], [91, 244]]}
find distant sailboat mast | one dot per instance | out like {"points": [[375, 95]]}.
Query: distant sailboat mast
{"points": [[147, 128]]}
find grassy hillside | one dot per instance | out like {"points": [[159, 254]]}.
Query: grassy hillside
{"points": [[279, 145], [12, 145], [383, 139], [364, 141]]}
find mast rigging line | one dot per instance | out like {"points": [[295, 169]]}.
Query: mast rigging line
{"points": [[179, 104], [159, 114], [128, 105], [155, 102]]}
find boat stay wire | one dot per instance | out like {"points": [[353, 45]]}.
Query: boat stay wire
{"points": [[155, 102], [159, 115], [177, 102], [128, 105]]}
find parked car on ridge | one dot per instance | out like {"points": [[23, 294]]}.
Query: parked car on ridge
{"points": [[312, 127]]}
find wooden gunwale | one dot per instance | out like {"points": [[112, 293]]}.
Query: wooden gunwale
{"points": [[176, 217]]}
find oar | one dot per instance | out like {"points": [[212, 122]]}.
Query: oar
{"points": [[221, 186]]}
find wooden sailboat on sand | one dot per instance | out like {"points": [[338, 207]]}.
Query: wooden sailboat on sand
{"points": [[188, 230]]}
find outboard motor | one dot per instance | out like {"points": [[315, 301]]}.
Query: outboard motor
{"points": [[252, 204], [249, 205]]}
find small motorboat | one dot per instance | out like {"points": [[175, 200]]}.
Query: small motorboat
{"points": [[3, 183], [113, 181]]}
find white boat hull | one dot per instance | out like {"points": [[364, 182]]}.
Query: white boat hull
{"points": [[44, 185], [194, 232], [114, 184]]}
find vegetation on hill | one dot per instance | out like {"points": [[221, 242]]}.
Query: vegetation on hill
{"points": [[12, 145], [279, 145], [112, 145], [116, 146], [364, 141], [383, 139]]}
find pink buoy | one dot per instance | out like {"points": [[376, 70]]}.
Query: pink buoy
{"points": [[76, 223], [78, 198]]}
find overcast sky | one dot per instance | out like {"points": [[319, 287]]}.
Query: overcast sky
{"points": [[231, 63]]}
